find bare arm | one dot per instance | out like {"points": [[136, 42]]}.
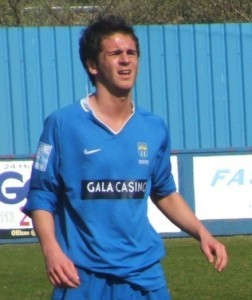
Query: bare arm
{"points": [[176, 209], [61, 271]]}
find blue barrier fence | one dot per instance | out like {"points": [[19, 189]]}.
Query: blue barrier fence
{"points": [[196, 77]]}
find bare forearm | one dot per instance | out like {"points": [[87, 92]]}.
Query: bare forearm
{"points": [[176, 210], [43, 223], [61, 270]]}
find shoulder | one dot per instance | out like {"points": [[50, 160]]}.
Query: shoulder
{"points": [[152, 125], [151, 119], [64, 114]]}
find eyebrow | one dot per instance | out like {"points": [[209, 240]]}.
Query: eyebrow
{"points": [[119, 51]]}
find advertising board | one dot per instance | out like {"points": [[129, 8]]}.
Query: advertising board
{"points": [[223, 187], [14, 184]]}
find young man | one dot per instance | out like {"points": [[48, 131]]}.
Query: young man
{"points": [[97, 162]]}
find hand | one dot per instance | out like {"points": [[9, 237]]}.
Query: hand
{"points": [[61, 270], [215, 252]]}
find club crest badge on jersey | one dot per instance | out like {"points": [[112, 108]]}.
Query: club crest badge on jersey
{"points": [[142, 149]]}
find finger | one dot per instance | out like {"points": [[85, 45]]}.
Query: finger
{"points": [[208, 254], [63, 278], [73, 270], [54, 278], [222, 259], [71, 277]]}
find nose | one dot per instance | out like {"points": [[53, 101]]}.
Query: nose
{"points": [[124, 58]]}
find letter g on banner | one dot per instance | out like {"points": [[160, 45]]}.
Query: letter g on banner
{"points": [[19, 192]]}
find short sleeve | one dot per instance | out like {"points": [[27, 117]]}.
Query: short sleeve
{"points": [[162, 179], [45, 183]]}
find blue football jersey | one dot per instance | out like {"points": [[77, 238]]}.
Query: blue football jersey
{"points": [[96, 184]]}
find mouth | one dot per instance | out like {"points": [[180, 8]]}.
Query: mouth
{"points": [[124, 72]]}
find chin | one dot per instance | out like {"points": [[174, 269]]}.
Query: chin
{"points": [[126, 86], [122, 91]]}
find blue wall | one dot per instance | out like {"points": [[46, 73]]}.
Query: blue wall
{"points": [[197, 77]]}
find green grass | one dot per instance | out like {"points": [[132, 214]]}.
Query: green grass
{"points": [[190, 277], [22, 273]]}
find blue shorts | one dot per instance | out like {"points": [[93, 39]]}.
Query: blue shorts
{"points": [[98, 287]]}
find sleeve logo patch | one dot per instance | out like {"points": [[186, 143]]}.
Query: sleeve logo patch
{"points": [[42, 156]]}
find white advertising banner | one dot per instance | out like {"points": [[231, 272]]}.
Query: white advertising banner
{"points": [[14, 183], [157, 219], [223, 187]]}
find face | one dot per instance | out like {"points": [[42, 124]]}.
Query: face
{"points": [[117, 64]]}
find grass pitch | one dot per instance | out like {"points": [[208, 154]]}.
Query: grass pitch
{"points": [[190, 276]]}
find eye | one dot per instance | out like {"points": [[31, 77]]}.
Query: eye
{"points": [[114, 53], [132, 52]]}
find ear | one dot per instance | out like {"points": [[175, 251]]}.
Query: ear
{"points": [[92, 68]]}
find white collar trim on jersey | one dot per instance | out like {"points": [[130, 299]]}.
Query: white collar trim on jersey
{"points": [[87, 108]]}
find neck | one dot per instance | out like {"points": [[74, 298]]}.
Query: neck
{"points": [[111, 103], [111, 110]]}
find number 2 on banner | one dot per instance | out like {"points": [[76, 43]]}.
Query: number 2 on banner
{"points": [[24, 221]]}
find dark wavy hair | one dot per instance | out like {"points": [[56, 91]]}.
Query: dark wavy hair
{"points": [[92, 36]]}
